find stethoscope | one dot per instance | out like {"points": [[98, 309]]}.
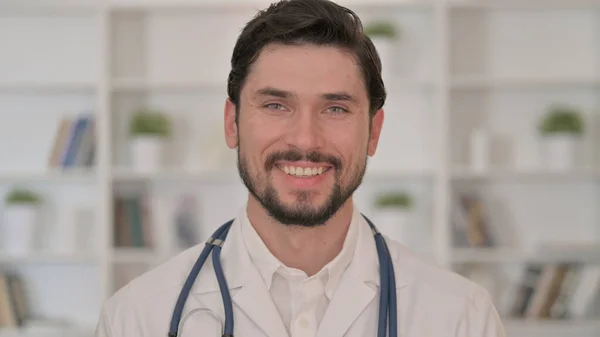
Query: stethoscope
{"points": [[387, 296]]}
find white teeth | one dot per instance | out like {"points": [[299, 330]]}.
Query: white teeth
{"points": [[303, 172]]}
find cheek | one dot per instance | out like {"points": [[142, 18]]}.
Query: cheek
{"points": [[256, 136], [350, 140]]}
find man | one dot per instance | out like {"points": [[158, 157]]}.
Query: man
{"points": [[304, 112]]}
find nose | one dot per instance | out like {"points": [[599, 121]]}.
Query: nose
{"points": [[306, 133]]}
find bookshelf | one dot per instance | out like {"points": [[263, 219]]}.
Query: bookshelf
{"points": [[459, 65]]}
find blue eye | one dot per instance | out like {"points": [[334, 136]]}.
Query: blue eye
{"points": [[276, 106], [338, 110]]}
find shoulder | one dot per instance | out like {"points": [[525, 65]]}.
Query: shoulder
{"points": [[447, 286], [156, 288], [436, 292]]}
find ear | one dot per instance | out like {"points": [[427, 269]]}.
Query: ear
{"points": [[231, 129], [376, 126]]}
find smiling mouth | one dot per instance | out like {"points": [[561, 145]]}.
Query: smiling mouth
{"points": [[303, 172]]}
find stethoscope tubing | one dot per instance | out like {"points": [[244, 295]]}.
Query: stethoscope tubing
{"points": [[227, 303], [387, 294], [189, 282]]}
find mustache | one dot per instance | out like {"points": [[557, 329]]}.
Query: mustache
{"points": [[294, 155]]}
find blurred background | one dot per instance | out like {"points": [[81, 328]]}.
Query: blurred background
{"points": [[112, 155]]}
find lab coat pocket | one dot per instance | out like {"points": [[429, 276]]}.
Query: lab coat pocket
{"points": [[201, 322]]}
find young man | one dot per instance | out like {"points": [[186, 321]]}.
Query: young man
{"points": [[304, 112]]}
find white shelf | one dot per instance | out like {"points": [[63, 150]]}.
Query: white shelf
{"points": [[127, 175], [245, 5], [524, 4], [509, 255], [376, 176], [551, 327], [484, 82], [48, 328], [526, 175], [134, 84], [54, 176], [47, 259], [12, 7], [48, 87], [186, 5], [134, 255]]}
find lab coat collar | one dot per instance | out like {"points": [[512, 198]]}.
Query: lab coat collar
{"points": [[357, 288], [268, 265]]}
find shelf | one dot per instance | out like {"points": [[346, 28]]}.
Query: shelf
{"points": [[484, 82], [525, 4], [586, 254], [47, 258], [187, 5], [486, 255], [54, 176], [133, 84], [526, 175], [127, 175], [383, 176], [134, 255], [47, 87], [551, 327], [48, 328], [241, 5], [48, 7]]}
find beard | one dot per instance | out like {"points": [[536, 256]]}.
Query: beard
{"points": [[302, 213]]}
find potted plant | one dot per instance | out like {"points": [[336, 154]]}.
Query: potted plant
{"points": [[560, 130], [149, 131], [393, 214], [383, 34], [20, 218]]}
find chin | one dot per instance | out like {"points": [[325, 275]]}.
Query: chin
{"points": [[302, 209]]}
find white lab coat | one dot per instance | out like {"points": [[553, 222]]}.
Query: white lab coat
{"points": [[432, 302]]}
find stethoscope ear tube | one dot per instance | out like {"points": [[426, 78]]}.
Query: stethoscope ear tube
{"points": [[189, 282], [227, 304], [387, 294], [393, 311]]}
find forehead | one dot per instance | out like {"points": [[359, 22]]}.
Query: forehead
{"points": [[307, 70]]}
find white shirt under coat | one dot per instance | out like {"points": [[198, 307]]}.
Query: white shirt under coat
{"points": [[301, 300]]}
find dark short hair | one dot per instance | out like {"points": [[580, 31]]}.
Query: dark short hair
{"points": [[318, 22]]}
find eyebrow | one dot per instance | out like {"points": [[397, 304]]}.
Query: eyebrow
{"points": [[333, 96], [339, 96], [268, 91]]}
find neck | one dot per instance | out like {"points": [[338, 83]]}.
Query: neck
{"points": [[305, 248]]}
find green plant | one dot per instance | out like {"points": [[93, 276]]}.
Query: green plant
{"points": [[19, 196], [394, 200], [381, 28], [149, 122], [562, 119]]}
